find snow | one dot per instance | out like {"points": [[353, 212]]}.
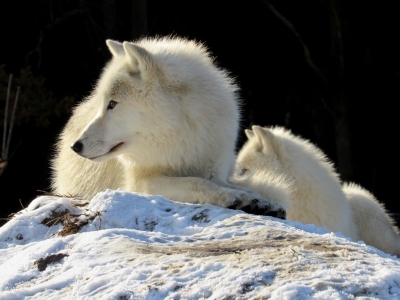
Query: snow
{"points": [[124, 245]]}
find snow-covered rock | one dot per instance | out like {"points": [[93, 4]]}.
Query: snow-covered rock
{"points": [[124, 245]]}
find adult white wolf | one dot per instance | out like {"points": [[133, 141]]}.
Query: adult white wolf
{"points": [[317, 196], [163, 119]]}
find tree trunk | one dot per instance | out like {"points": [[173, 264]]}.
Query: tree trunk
{"points": [[338, 84], [110, 19], [139, 18], [343, 135]]}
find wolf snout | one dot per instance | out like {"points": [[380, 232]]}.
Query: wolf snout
{"points": [[77, 146]]}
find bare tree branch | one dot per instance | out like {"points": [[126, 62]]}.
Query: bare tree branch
{"points": [[306, 51], [12, 122], [3, 155], [7, 138], [38, 48]]}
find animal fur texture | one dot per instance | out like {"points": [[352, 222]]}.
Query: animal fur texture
{"points": [[269, 184], [318, 196], [375, 226], [163, 119]]}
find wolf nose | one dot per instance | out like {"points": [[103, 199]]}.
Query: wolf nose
{"points": [[77, 146]]}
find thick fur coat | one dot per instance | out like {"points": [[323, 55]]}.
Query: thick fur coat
{"points": [[375, 226], [317, 196], [162, 119]]}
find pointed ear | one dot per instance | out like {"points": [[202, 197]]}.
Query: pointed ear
{"points": [[249, 133], [256, 143], [265, 137], [115, 48], [140, 59]]}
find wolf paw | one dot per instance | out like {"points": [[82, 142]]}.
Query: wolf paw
{"points": [[265, 210], [259, 207]]}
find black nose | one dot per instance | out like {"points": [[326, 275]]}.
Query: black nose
{"points": [[77, 146]]}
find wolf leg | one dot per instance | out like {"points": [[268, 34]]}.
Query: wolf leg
{"points": [[199, 190]]}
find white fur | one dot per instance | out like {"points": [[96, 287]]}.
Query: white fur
{"points": [[376, 227], [317, 196], [172, 131], [273, 186]]}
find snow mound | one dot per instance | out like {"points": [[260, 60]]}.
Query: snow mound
{"points": [[124, 245]]}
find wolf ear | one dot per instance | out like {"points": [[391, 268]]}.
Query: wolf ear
{"points": [[249, 133], [265, 137], [140, 59], [255, 140], [115, 48]]}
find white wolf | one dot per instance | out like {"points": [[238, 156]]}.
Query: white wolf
{"points": [[317, 196], [375, 226], [162, 119]]}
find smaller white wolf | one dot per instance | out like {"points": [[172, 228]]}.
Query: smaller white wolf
{"points": [[318, 196], [163, 119]]}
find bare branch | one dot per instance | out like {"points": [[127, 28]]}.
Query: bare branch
{"points": [[12, 121], [4, 157], [306, 51], [38, 48], [337, 32]]}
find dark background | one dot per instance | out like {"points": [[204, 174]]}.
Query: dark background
{"points": [[326, 69]]}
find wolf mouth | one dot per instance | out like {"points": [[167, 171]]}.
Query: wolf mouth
{"points": [[113, 149]]}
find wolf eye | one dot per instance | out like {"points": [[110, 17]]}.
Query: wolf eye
{"points": [[243, 171], [112, 104]]}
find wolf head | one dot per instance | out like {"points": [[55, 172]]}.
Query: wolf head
{"points": [[124, 78], [159, 101], [123, 82], [277, 148], [261, 151]]}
